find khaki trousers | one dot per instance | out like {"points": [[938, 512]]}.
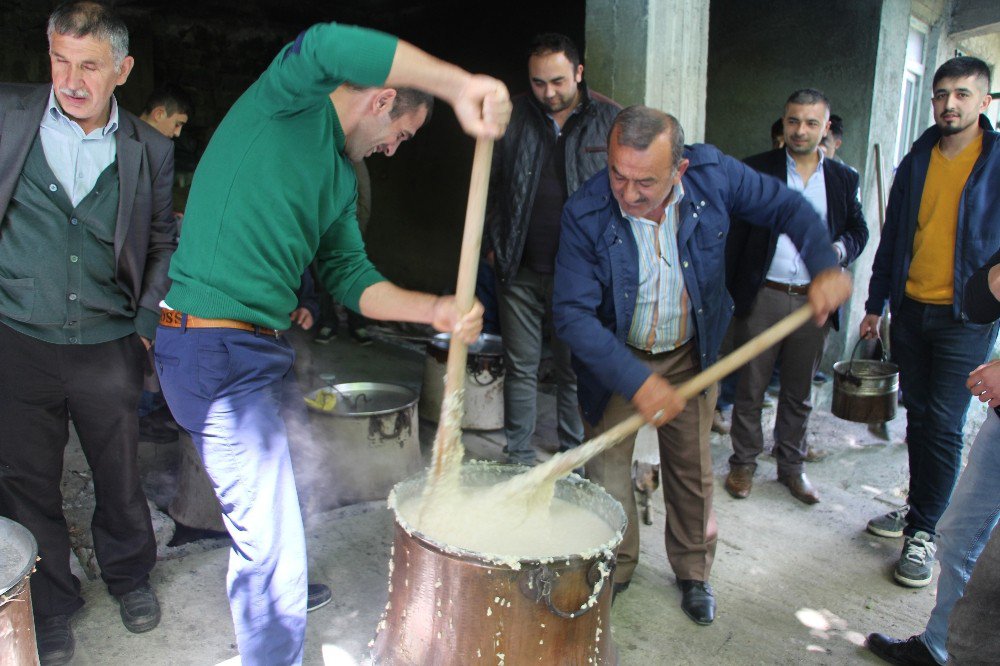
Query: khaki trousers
{"points": [[685, 472]]}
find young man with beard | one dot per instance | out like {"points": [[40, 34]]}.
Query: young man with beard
{"points": [[274, 189], [942, 223], [768, 279], [556, 141]]}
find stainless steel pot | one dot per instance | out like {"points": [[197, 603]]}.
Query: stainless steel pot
{"points": [[865, 391], [484, 381], [18, 551], [361, 448]]}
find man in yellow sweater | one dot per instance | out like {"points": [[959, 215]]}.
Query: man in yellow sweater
{"points": [[942, 222]]}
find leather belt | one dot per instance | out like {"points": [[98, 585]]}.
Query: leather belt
{"points": [[177, 319], [798, 289]]}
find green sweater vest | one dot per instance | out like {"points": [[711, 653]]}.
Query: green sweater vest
{"points": [[274, 188], [58, 283]]}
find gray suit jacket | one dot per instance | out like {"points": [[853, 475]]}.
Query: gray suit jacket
{"points": [[145, 232]]}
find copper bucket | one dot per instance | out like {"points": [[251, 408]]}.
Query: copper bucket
{"points": [[18, 551], [865, 391], [452, 606]]}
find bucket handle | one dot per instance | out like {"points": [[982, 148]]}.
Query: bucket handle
{"points": [[402, 421], [537, 586], [849, 375], [493, 370]]}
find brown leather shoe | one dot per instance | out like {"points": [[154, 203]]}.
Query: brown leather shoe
{"points": [[720, 424], [815, 455], [740, 480], [800, 488]]}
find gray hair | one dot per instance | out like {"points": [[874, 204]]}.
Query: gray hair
{"points": [[82, 18], [638, 125]]}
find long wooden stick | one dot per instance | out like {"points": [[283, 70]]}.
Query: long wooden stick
{"points": [[880, 186], [448, 449], [563, 463]]}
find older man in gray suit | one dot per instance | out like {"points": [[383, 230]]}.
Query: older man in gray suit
{"points": [[86, 234]]}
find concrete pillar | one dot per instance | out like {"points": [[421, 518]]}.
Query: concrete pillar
{"points": [[970, 18], [652, 52], [883, 121]]}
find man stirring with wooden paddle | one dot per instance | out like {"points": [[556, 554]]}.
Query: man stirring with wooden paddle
{"points": [[640, 298], [274, 189]]}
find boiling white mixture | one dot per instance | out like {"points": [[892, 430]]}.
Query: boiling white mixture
{"points": [[549, 531]]}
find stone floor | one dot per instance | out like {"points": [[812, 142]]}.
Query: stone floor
{"points": [[795, 584]]}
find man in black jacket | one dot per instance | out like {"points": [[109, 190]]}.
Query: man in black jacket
{"points": [[556, 140], [768, 280]]}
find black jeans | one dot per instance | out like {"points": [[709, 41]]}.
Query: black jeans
{"points": [[935, 354], [42, 386]]}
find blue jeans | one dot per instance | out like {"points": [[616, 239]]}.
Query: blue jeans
{"points": [[525, 304], [233, 391], [964, 530], [935, 354]]}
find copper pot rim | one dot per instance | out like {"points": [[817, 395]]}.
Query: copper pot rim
{"points": [[493, 560]]}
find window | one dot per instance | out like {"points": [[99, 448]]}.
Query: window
{"points": [[912, 109]]}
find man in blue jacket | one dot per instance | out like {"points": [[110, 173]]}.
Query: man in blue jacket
{"points": [[640, 298], [942, 223]]}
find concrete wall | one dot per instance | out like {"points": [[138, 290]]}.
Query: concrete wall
{"points": [[986, 47], [975, 17], [651, 52], [762, 50], [759, 52]]}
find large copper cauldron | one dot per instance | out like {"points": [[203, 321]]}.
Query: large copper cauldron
{"points": [[18, 551], [452, 606]]}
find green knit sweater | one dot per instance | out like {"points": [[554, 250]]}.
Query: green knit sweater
{"points": [[274, 188]]}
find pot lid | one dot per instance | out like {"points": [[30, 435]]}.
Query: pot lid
{"points": [[17, 553], [361, 399], [487, 344]]}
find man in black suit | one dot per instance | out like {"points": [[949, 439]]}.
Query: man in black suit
{"points": [[768, 280], [86, 235]]}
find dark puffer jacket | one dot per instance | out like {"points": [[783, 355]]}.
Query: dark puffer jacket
{"points": [[517, 162]]}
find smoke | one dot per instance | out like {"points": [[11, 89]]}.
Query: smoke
{"points": [[340, 460]]}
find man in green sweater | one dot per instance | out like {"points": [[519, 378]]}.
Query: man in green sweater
{"points": [[274, 189]]}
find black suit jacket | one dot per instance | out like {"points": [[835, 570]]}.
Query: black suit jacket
{"points": [[750, 249], [145, 232]]}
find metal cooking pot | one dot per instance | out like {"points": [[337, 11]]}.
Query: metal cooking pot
{"points": [[451, 606], [865, 391], [485, 362], [362, 447], [484, 381], [18, 552]]}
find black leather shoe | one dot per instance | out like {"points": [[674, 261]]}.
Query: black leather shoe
{"points": [[698, 602], [139, 609], [319, 596], [54, 639], [911, 652]]}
